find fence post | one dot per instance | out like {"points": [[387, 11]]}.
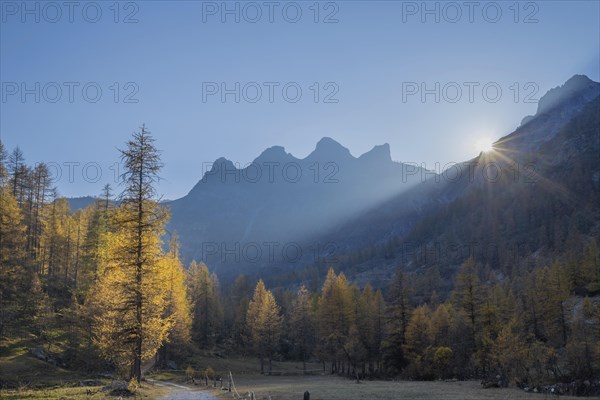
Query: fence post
{"points": [[306, 395]]}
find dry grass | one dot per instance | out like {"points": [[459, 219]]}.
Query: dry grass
{"points": [[242, 365], [19, 368], [326, 387], [334, 388], [147, 392], [27, 378]]}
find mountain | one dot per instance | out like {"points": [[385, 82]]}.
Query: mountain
{"points": [[543, 205], [76, 203], [555, 108], [243, 218], [517, 149]]}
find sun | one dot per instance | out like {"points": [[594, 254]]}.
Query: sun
{"points": [[485, 145]]}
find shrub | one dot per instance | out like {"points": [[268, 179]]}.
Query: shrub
{"points": [[190, 373], [133, 386], [209, 372]]}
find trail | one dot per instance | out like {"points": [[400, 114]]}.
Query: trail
{"points": [[180, 392]]}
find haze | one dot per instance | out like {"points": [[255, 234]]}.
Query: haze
{"points": [[369, 55]]}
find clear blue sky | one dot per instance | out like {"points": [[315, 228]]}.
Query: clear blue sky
{"points": [[368, 54]]}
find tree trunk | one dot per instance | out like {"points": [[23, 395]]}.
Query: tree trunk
{"points": [[270, 364], [137, 363], [262, 366]]}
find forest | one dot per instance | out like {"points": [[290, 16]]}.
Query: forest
{"points": [[104, 288]]}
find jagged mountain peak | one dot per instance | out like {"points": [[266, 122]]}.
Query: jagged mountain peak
{"points": [[274, 154], [577, 88], [380, 153], [223, 162], [329, 149], [576, 85]]}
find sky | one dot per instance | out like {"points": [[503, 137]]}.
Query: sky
{"points": [[230, 79]]}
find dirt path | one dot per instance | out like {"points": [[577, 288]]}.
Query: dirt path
{"points": [[179, 392]]}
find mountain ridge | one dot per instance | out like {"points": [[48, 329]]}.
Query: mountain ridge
{"points": [[279, 197], [563, 146]]}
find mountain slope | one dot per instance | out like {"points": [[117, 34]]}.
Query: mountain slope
{"points": [[234, 218], [548, 194]]}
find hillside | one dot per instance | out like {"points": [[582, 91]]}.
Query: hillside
{"points": [[233, 214], [512, 207]]}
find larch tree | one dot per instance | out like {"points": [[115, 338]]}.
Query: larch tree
{"points": [[467, 295], [130, 293], [418, 340], [581, 348], [206, 305], [554, 307], [345, 305], [264, 323], [398, 315], [55, 256], [302, 325], [237, 311], [14, 276], [16, 168], [369, 321], [591, 267], [3, 170], [178, 308], [327, 344]]}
